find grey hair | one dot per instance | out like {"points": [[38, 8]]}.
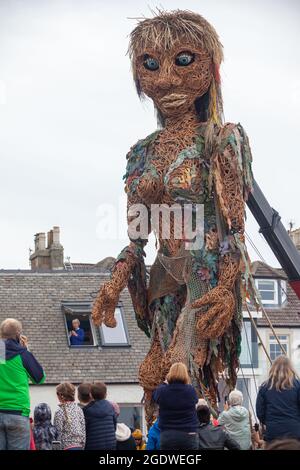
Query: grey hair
{"points": [[10, 328], [235, 398], [76, 319]]}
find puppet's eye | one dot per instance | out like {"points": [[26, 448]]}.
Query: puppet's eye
{"points": [[150, 63], [184, 58]]}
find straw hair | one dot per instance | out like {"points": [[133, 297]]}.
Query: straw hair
{"points": [[282, 374], [178, 373], [165, 28]]}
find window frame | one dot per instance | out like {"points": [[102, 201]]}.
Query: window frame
{"points": [[274, 341], [274, 302], [104, 344], [78, 308], [140, 406], [253, 344]]}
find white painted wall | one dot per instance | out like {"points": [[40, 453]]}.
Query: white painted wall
{"points": [[294, 349], [122, 394]]}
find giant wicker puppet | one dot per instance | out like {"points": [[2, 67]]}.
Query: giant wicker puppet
{"points": [[191, 304]]}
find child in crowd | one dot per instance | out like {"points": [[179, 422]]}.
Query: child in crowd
{"points": [[125, 440], [139, 441], [44, 433], [69, 419], [153, 442], [100, 419], [84, 394]]}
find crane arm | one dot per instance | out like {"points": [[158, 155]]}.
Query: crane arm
{"points": [[276, 236]]}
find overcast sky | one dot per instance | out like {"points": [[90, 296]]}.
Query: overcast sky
{"points": [[69, 113]]}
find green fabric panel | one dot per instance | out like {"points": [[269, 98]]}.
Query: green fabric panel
{"points": [[14, 386]]}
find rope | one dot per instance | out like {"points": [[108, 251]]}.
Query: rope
{"points": [[261, 305], [273, 331], [248, 393], [255, 248]]}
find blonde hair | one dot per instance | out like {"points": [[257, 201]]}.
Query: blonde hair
{"points": [[10, 328], [282, 374], [178, 373]]}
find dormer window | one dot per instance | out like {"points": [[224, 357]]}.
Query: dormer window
{"points": [[268, 289]]}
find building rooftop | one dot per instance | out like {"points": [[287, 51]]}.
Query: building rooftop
{"points": [[35, 298]]}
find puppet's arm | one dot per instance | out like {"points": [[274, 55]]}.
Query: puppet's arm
{"points": [[129, 261], [231, 192]]}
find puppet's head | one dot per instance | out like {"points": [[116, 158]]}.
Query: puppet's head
{"points": [[175, 60]]}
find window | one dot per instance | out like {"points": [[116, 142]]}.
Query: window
{"points": [[275, 349], [131, 415], [249, 351], [283, 288], [243, 385], [79, 311], [117, 336], [268, 290], [245, 356]]}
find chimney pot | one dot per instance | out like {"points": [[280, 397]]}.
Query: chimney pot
{"points": [[56, 235], [40, 241]]}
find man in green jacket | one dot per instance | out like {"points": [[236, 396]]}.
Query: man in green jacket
{"points": [[17, 367]]}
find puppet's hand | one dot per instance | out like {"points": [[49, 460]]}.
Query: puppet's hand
{"points": [[214, 320], [105, 305]]}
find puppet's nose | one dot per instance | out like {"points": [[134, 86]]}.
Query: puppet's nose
{"points": [[167, 79]]}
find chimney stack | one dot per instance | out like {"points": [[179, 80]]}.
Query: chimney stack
{"points": [[295, 236], [50, 257]]}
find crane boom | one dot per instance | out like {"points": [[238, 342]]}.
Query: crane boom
{"points": [[276, 236]]}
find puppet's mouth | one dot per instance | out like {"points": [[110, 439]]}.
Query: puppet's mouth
{"points": [[173, 100]]}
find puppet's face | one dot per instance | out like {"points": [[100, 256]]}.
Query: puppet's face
{"points": [[174, 78]]}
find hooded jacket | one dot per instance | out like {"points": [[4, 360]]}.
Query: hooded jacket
{"points": [[236, 422], [16, 370], [153, 442], [125, 440], [44, 432], [100, 422]]}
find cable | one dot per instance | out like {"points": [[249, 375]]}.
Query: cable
{"points": [[261, 304], [248, 393], [258, 335], [255, 248]]}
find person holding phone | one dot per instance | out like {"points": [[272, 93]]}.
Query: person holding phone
{"points": [[16, 367]]}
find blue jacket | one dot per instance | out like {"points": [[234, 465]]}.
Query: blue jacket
{"points": [[279, 411], [177, 407], [153, 442], [77, 340], [100, 423]]}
